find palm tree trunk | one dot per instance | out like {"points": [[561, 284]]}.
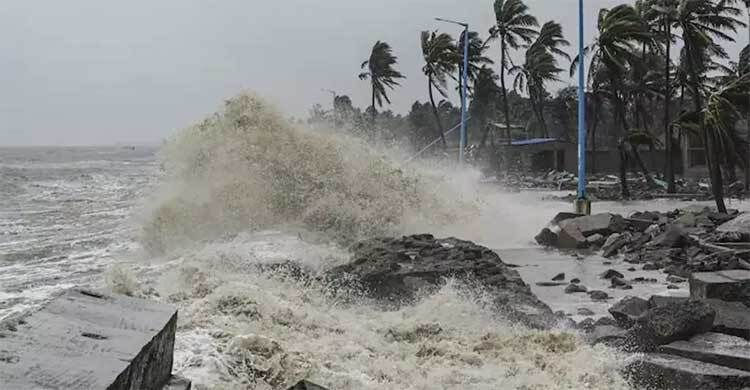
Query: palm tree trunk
{"points": [[714, 168], [620, 107], [435, 112], [667, 101], [623, 170], [506, 106], [374, 112]]}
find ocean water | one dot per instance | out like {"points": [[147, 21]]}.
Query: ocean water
{"points": [[194, 222]]}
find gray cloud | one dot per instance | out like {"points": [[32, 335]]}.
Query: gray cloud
{"points": [[94, 72]]}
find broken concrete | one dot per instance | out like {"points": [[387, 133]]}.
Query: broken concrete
{"points": [[739, 224], [730, 286], [714, 348], [604, 224], [732, 318], [664, 371], [89, 340], [673, 322]]}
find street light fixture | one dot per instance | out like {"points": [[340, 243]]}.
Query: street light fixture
{"points": [[583, 205], [462, 142]]}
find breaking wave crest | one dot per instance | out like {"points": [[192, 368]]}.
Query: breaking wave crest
{"points": [[247, 168]]}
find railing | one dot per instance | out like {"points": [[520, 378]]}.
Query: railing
{"points": [[431, 144]]}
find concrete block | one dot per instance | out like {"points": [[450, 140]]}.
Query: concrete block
{"points": [[661, 371], [714, 348], [731, 286], [90, 340], [732, 318]]}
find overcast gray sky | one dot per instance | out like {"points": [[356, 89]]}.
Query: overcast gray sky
{"points": [[82, 72]]}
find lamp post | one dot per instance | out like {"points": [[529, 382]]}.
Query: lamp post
{"points": [[583, 205], [464, 76]]}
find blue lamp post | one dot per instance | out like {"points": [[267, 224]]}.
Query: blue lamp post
{"points": [[583, 205], [465, 77]]}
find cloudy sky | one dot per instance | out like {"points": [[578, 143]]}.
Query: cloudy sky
{"points": [[85, 72]]}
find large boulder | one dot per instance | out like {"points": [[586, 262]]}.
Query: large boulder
{"points": [[604, 224], [570, 237], [628, 310], [662, 371], [673, 322], [731, 286], [397, 270]]}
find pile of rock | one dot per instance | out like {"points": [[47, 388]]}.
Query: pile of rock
{"points": [[695, 239], [687, 343], [397, 271]]}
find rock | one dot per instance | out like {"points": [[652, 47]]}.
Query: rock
{"points": [[653, 230], [641, 279], [674, 237], [575, 280], [550, 284], [606, 321], [662, 371], [575, 288], [687, 220], [614, 243], [604, 224], [720, 218], [651, 267], [732, 318], [673, 322], [731, 286], [639, 225], [673, 287], [739, 224], [90, 340], [610, 273], [178, 383], [661, 300], [627, 310], [546, 238], [563, 216], [570, 237], [621, 284], [606, 263], [582, 311], [631, 269], [607, 335], [586, 325], [558, 277], [675, 279], [305, 385], [598, 295], [714, 348], [595, 239], [397, 270]]}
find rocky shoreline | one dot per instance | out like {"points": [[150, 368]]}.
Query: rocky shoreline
{"points": [[700, 341]]}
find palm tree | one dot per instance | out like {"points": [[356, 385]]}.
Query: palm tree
{"points": [[702, 23], [439, 53], [476, 58], [665, 15], [482, 106], [379, 68], [619, 30], [540, 67], [514, 26]]}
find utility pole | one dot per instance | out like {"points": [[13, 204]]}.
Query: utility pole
{"points": [[464, 88], [583, 205]]}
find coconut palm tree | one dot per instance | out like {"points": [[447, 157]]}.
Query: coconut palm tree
{"points": [[615, 49], [482, 107], [703, 22], [540, 66], [439, 53], [380, 70], [514, 26], [476, 58]]}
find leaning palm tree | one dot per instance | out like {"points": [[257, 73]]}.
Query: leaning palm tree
{"points": [[540, 67], [476, 58], [379, 68], [514, 26], [439, 53], [615, 49], [703, 22]]}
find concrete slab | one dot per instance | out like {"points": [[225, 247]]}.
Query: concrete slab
{"points": [[732, 318], [731, 286], [714, 348], [662, 371], [90, 340]]}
